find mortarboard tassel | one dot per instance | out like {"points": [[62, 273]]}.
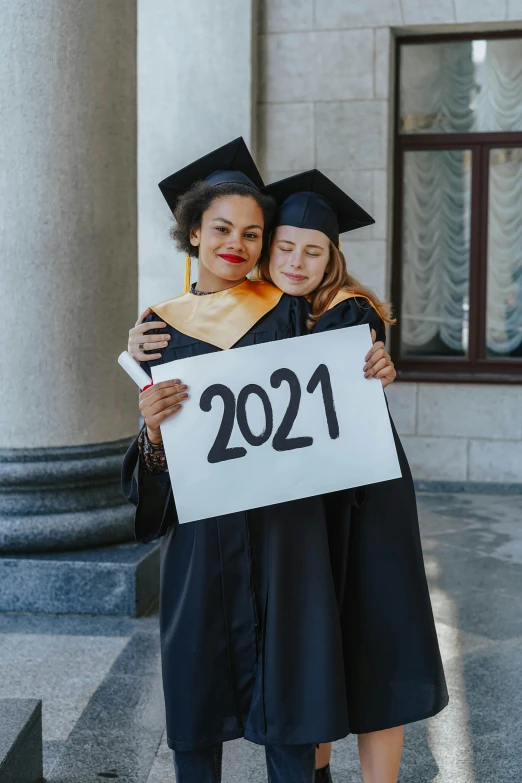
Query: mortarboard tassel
{"points": [[187, 275]]}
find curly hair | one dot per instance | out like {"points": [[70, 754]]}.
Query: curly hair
{"points": [[192, 204]]}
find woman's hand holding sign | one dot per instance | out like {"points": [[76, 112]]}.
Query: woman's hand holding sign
{"points": [[160, 401], [379, 364]]}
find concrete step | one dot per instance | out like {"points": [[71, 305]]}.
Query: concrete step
{"points": [[117, 581], [21, 759]]}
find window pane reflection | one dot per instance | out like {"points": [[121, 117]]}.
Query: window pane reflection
{"points": [[504, 292], [435, 253], [461, 86]]}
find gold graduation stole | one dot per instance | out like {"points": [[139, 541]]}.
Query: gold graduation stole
{"points": [[223, 318], [341, 296]]}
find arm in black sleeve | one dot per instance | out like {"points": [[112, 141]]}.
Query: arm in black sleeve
{"points": [[299, 312], [150, 493], [352, 312]]}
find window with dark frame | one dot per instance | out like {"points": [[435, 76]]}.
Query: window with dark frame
{"points": [[457, 247]]}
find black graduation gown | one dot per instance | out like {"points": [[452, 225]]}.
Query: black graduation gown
{"points": [[250, 631], [393, 668]]}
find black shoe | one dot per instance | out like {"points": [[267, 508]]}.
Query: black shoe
{"points": [[323, 775]]}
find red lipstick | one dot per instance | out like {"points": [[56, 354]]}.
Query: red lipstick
{"points": [[232, 259]]}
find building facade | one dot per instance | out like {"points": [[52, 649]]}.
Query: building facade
{"points": [[414, 108]]}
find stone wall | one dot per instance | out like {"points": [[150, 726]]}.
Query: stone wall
{"points": [[326, 100], [460, 432]]}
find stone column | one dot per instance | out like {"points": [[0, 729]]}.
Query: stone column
{"points": [[196, 91], [68, 270]]}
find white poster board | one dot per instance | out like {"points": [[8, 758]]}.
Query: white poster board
{"points": [[276, 422]]}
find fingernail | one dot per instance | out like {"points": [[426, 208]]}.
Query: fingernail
{"points": [[365, 367], [176, 380], [184, 386], [184, 395]]}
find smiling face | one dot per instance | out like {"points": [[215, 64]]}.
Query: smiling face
{"points": [[230, 239], [298, 259]]}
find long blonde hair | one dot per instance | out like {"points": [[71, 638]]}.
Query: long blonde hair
{"points": [[336, 278]]}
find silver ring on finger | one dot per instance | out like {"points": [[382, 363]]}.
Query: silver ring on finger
{"points": [[141, 346]]}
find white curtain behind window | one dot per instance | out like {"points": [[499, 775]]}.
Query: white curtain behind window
{"points": [[504, 286], [460, 87], [436, 248]]}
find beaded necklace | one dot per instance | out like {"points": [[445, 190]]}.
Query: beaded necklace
{"points": [[200, 293]]}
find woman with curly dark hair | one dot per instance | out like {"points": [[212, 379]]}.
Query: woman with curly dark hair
{"points": [[238, 593]]}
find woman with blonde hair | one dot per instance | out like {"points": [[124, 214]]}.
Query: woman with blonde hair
{"points": [[393, 668]]}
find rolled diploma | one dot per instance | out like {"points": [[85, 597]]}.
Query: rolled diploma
{"points": [[132, 368]]}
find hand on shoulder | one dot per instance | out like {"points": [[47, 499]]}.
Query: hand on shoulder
{"points": [[140, 341]]}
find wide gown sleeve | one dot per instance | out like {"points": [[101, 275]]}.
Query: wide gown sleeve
{"points": [[352, 312], [150, 493]]}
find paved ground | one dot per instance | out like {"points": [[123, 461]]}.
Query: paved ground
{"points": [[101, 688]]}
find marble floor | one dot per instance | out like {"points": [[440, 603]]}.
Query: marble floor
{"points": [[100, 682]]}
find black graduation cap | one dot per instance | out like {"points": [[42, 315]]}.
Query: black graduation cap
{"points": [[230, 163], [311, 200]]}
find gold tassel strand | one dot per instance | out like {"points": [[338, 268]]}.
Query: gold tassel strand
{"points": [[187, 274]]}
